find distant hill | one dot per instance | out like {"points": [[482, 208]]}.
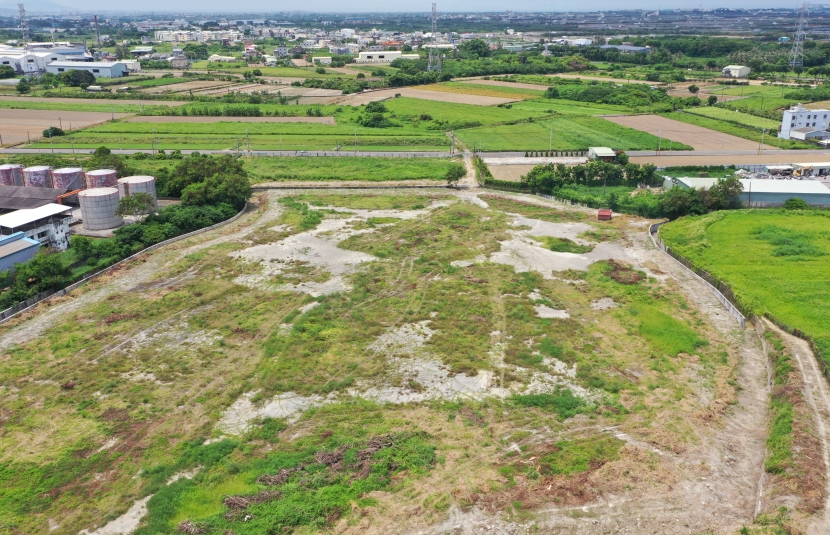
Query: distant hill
{"points": [[32, 6]]}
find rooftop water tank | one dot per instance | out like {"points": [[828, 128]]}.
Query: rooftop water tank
{"points": [[98, 207], [101, 178], [68, 178], [137, 184], [11, 174], [39, 176]]}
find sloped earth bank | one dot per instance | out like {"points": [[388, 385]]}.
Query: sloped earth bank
{"points": [[543, 381]]}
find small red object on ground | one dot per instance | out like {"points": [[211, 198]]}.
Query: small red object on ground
{"points": [[604, 214]]}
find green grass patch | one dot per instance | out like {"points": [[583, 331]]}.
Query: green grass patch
{"points": [[728, 245], [561, 401], [563, 245], [577, 456], [666, 334]]}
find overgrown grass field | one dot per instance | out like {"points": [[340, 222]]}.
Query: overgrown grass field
{"points": [[346, 168], [773, 260]]}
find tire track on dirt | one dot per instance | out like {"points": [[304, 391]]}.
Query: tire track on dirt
{"points": [[818, 398]]}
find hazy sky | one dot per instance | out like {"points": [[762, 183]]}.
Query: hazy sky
{"points": [[385, 5]]}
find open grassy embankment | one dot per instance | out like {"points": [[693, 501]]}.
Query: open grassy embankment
{"points": [[119, 394], [774, 261], [741, 129]]}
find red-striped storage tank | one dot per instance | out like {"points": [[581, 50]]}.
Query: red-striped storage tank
{"points": [[101, 178], [11, 174], [39, 176], [68, 178]]}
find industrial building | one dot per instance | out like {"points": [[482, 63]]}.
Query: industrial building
{"points": [[322, 60], [98, 208], [16, 249], [800, 123], [47, 224], [387, 56], [761, 193], [601, 153], [23, 197], [99, 69], [735, 71]]}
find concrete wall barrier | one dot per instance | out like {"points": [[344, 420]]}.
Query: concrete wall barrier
{"points": [[19, 308]]}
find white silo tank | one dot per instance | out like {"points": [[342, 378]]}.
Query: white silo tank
{"points": [[137, 184], [68, 178], [11, 174], [39, 176], [98, 207], [101, 178]]}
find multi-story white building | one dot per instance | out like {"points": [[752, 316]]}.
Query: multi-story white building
{"points": [[387, 56], [47, 224], [800, 123]]}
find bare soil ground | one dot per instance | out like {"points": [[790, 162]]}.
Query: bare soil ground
{"points": [[364, 98], [695, 136], [95, 101], [513, 173], [17, 126], [192, 119]]}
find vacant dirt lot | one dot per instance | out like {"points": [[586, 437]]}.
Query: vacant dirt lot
{"points": [[364, 98], [695, 136], [747, 159], [17, 126], [512, 173], [164, 119]]}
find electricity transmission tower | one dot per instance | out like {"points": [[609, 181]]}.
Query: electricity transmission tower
{"points": [[24, 25], [797, 55], [434, 52]]}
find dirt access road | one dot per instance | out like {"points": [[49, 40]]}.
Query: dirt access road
{"points": [[695, 136]]}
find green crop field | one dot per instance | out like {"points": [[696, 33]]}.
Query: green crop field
{"points": [[566, 133], [745, 132], [737, 116], [486, 90], [239, 67], [264, 169], [775, 261], [411, 108], [569, 107], [81, 105]]}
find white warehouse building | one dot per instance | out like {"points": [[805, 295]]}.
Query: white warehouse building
{"points": [[386, 56], [735, 71], [800, 123], [99, 69]]}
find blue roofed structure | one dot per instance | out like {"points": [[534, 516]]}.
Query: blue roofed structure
{"points": [[16, 249]]}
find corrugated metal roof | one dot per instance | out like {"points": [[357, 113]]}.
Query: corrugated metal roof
{"points": [[764, 186], [103, 64], [603, 152], [20, 197], [17, 245], [24, 217]]}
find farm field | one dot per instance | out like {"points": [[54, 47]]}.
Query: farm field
{"points": [[239, 67], [744, 118], [263, 170], [18, 126], [560, 133], [78, 105], [683, 127], [576, 371], [469, 88], [66, 101], [198, 119], [357, 99], [728, 133], [569, 107], [772, 259]]}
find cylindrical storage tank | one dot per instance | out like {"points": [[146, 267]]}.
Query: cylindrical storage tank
{"points": [[101, 178], [11, 174], [68, 178], [98, 207], [137, 184], [39, 176]]}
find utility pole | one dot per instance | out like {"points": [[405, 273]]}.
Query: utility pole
{"points": [[763, 133], [97, 31], [660, 141], [550, 141]]}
